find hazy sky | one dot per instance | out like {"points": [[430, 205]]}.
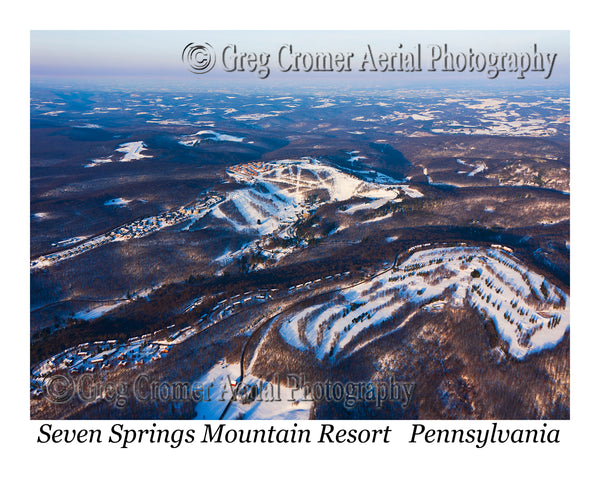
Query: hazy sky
{"points": [[157, 54]]}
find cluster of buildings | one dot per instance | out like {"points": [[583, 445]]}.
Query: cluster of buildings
{"points": [[307, 285], [226, 307], [252, 169], [137, 229], [46, 260], [101, 355], [91, 357]]}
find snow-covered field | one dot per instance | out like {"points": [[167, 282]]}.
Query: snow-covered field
{"points": [[131, 151], [198, 137], [274, 401], [529, 313], [96, 312], [98, 161], [254, 116], [499, 116], [39, 216], [354, 155], [476, 168], [410, 191], [119, 202], [368, 205], [68, 241]]}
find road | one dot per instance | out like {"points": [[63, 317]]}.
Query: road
{"points": [[269, 319]]}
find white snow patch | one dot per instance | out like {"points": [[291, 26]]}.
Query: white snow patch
{"points": [[417, 116], [374, 204], [119, 202], [275, 401], [218, 137], [254, 116], [96, 312], [378, 219], [411, 191], [68, 241], [132, 151]]}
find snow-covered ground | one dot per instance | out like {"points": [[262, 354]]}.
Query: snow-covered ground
{"points": [[132, 151], [276, 195], [106, 354], [417, 116], [68, 241], [476, 168], [196, 138], [497, 117], [324, 104], [354, 155], [96, 312], [149, 347], [368, 205], [529, 313], [98, 161], [410, 191], [254, 116], [275, 401], [280, 192], [39, 216], [119, 202]]}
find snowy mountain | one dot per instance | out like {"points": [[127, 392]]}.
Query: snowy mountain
{"points": [[529, 313]]}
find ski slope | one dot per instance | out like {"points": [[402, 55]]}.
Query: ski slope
{"points": [[279, 193], [529, 313]]}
